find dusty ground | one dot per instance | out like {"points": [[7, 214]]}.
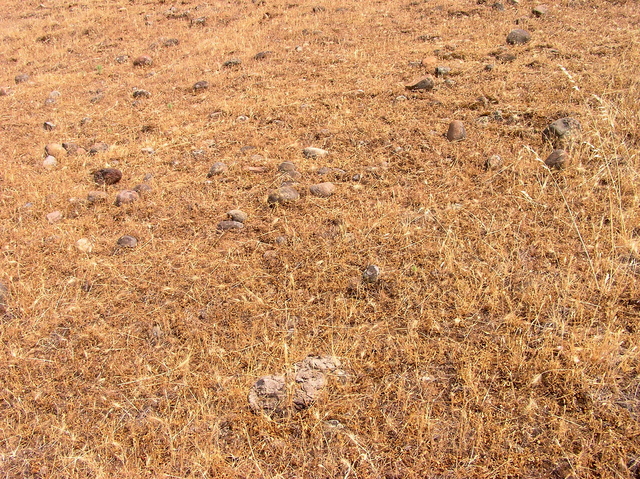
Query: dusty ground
{"points": [[501, 339]]}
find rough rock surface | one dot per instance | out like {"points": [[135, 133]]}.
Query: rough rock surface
{"points": [[269, 395], [562, 133]]}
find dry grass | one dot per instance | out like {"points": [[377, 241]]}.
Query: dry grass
{"points": [[503, 339]]}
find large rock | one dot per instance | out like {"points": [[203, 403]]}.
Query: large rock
{"points": [[518, 37], [562, 133], [107, 176], [269, 395], [283, 195], [456, 131], [425, 83]]}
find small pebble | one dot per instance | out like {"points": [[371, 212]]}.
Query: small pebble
{"points": [[85, 245], [148, 151], [98, 148], [141, 94], [126, 196], [50, 163], [5, 91], [557, 160], [442, 71], [54, 217], [494, 162], [142, 61], [237, 215], [456, 131], [426, 83], [371, 274], [23, 77], [171, 42], [540, 10], [518, 37], [107, 176], [96, 196], [234, 62], [286, 167], [217, 169], [262, 55], [127, 241], [283, 195], [73, 149], [227, 225], [312, 152], [201, 85], [48, 126], [56, 150], [323, 190], [142, 189]]}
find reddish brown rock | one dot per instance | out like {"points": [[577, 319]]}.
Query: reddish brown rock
{"points": [[107, 176], [557, 160], [456, 131], [143, 61], [126, 196], [425, 84]]}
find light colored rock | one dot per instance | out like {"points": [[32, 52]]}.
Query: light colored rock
{"points": [[217, 169], [84, 245], [283, 195], [54, 217], [56, 150], [494, 162], [126, 196], [237, 215], [323, 190], [311, 152], [268, 395], [229, 225], [96, 196], [50, 163]]}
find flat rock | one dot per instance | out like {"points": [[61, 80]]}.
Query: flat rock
{"points": [[96, 196], [323, 190], [540, 10], [127, 241], [238, 216], [557, 160], [21, 78], [456, 131], [84, 245], [268, 395], [98, 148], [234, 62], [286, 167], [55, 149], [562, 133], [143, 61], [518, 37], [228, 225], [262, 55], [107, 176], [126, 196], [217, 169], [283, 195], [311, 152], [54, 217], [425, 83]]}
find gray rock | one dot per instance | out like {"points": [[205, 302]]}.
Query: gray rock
{"points": [[141, 94], [126, 196], [98, 148], [23, 77], [425, 83], [262, 55], [442, 71], [323, 190], [201, 85], [237, 215], [286, 166], [557, 160], [311, 379], [127, 241], [171, 42], [311, 152], [518, 37], [456, 131], [217, 169], [371, 274], [562, 133], [540, 10], [494, 162], [142, 189], [227, 225], [283, 195], [268, 395], [234, 62]]}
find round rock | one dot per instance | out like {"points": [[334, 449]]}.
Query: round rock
{"points": [[518, 37], [142, 189], [323, 190], [127, 241], [50, 163], [283, 195], [107, 176], [312, 152], [286, 167], [557, 160], [55, 149], [142, 61], [217, 169], [126, 196], [456, 131], [228, 225], [201, 85], [562, 133], [268, 394], [371, 274], [237, 215], [493, 163], [85, 245]]}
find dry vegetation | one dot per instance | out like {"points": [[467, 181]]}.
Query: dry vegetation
{"points": [[502, 338]]}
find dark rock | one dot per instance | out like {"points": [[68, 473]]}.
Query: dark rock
{"points": [[426, 83], [217, 169], [198, 22], [73, 149], [127, 241], [201, 85], [371, 274], [442, 71], [143, 61], [141, 94], [23, 77], [562, 133], [268, 395], [227, 225], [48, 126], [286, 166], [557, 160], [518, 37], [234, 62], [262, 55], [170, 42], [456, 131], [107, 176], [126, 196]]}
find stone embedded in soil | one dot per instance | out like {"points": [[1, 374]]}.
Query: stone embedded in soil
{"points": [[142, 189], [85, 245], [557, 160], [171, 42], [141, 94], [50, 163], [126, 196], [562, 133], [96, 196], [98, 148], [23, 77], [234, 62], [323, 190], [312, 152], [54, 217], [518, 37], [442, 71], [4, 294], [73, 149], [201, 85], [425, 83], [217, 169], [371, 274], [456, 131], [311, 379], [493, 162], [283, 195], [540, 10], [262, 55], [48, 125], [237, 215], [56, 150], [127, 241], [5, 91], [107, 176], [228, 225], [143, 61], [286, 167], [268, 394]]}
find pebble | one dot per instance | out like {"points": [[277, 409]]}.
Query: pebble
{"points": [[143, 61], [286, 167], [323, 190], [442, 71], [227, 225], [171, 42], [85, 245], [127, 241], [311, 152], [52, 97], [4, 293], [98, 148], [217, 169], [142, 189], [107, 176], [54, 217], [141, 94], [148, 151], [518, 37], [50, 163], [201, 85], [73, 149], [5, 91], [268, 395], [23, 77], [456, 131], [283, 195], [96, 196], [262, 55], [122, 58], [562, 133], [48, 126], [371, 274], [237, 216], [126, 196], [540, 10], [494, 162], [55, 149], [234, 62], [426, 83], [557, 160]]}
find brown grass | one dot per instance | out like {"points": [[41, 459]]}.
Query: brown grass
{"points": [[502, 341]]}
